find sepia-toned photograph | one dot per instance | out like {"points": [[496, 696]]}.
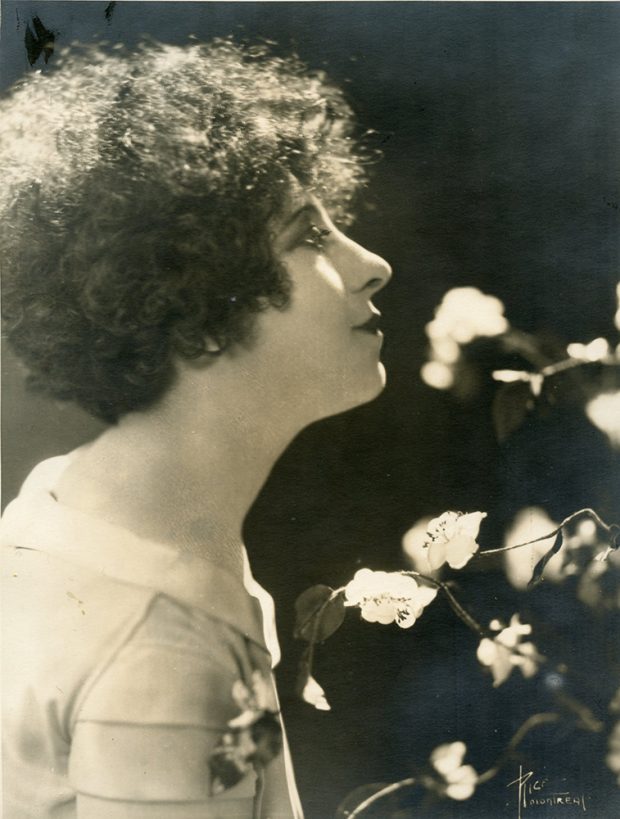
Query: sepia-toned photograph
{"points": [[310, 409]]}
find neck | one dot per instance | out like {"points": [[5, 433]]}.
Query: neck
{"points": [[187, 471]]}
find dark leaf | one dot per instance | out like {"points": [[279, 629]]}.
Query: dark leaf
{"points": [[267, 736], [537, 574], [318, 617], [109, 10], [510, 406]]}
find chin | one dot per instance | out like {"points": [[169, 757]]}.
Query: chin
{"points": [[357, 394], [377, 385]]}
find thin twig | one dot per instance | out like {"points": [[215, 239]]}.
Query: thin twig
{"points": [[589, 513], [395, 786], [531, 722], [458, 609]]}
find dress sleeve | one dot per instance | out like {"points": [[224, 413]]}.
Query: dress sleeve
{"points": [[147, 725]]}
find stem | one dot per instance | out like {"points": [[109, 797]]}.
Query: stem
{"points": [[570, 363], [395, 786], [588, 513], [521, 342], [456, 607], [315, 627], [531, 722]]}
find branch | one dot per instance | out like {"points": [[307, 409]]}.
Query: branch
{"points": [[531, 722], [395, 786], [456, 607], [610, 530]]}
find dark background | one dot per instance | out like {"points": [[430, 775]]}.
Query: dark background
{"points": [[500, 125]]}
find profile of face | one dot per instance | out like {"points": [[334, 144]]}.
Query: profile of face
{"points": [[324, 349]]}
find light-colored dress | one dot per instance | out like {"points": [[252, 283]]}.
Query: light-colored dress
{"points": [[119, 661]]}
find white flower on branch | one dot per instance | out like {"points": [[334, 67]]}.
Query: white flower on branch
{"points": [[604, 412], [415, 545], [460, 780], [388, 597], [314, 694], [535, 380], [595, 350], [464, 314], [506, 651], [451, 538]]}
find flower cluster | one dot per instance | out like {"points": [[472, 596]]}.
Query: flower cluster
{"points": [[388, 597], [459, 781], [464, 314], [451, 538], [254, 737], [505, 651]]}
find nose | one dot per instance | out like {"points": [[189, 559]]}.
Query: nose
{"points": [[364, 270]]}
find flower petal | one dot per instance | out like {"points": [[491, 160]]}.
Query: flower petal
{"points": [[436, 555], [315, 695], [406, 618], [448, 757], [460, 550]]}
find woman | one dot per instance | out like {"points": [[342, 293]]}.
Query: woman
{"points": [[172, 264]]}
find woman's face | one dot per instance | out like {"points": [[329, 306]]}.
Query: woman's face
{"points": [[325, 347]]}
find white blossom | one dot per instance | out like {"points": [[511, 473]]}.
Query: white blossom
{"points": [[451, 538], [466, 313], [388, 597], [314, 694], [506, 651], [595, 350], [460, 780], [604, 412], [414, 545]]}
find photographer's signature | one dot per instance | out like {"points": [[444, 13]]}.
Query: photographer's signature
{"points": [[533, 791]]}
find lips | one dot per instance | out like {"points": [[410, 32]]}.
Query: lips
{"points": [[371, 326]]}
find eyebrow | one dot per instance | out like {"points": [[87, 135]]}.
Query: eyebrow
{"points": [[308, 208]]}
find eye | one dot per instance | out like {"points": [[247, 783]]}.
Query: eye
{"points": [[316, 237]]}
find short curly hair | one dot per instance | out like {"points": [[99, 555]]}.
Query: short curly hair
{"points": [[139, 191]]}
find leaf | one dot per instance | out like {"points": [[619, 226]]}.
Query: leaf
{"points": [[537, 574], [318, 616], [510, 407]]}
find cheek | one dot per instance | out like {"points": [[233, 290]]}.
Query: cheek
{"points": [[328, 278]]}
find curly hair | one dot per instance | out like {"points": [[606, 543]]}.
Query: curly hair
{"points": [[139, 190]]}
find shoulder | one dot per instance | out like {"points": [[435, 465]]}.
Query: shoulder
{"points": [[149, 722], [177, 667]]}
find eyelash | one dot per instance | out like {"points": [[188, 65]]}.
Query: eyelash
{"points": [[317, 237]]}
